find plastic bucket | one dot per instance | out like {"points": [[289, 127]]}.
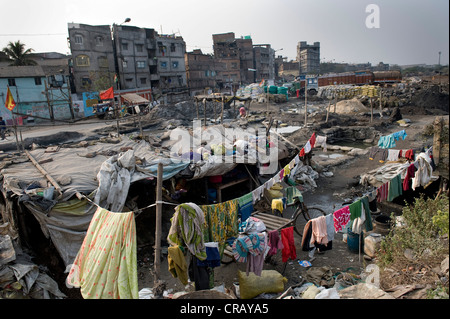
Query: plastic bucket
{"points": [[353, 241]]}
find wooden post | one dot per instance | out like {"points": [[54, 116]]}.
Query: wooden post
{"points": [[44, 172], [204, 109], [335, 102], [158, 226], [306, 100], [196, 103], [328, 111], [371, 110], [221, 116]]}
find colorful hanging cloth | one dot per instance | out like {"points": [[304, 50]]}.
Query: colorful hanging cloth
{"points": [[106, 264]]}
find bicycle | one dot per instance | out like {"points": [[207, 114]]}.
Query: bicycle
{"points": [[9, 134]]}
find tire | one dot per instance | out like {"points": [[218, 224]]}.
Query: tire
{"points": [[314, 212]]}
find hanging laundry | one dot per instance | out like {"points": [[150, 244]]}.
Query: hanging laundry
{"points": [[410, 172], [293, 194], [177, 264], [409, 154], [187, 227], [245, 206], [274, 242], [312, 140], [277, 203], [307, 147], [388, 141], [367, 213], [355, 209], [257, 193], [424, 171], [395, 188], [221, 222], [330, 227], [341, 218], [287, 238], [212, 256], [302, 152], [255, 261], [378, 153], [106, 264], [319, 231], [393, 155], [287, 170], [382, 192], [322, 141]]}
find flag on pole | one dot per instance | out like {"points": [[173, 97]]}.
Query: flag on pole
{"points": [[116, 78], [9, 103], [107, 94]]}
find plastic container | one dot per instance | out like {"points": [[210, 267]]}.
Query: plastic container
{"points": [[353, 242]]}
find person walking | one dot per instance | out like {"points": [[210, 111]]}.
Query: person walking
{"points": [[2, 127]]}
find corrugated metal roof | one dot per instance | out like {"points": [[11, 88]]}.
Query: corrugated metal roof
{"points": [[134, 98], [21, 71]]}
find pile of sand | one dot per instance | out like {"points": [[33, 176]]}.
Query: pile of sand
{"points": [[352, 106]]}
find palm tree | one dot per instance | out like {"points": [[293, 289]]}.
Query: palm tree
{"points": [[17, 53]]}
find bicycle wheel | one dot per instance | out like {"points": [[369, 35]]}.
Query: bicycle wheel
{"points": [[313, 212], [9, 134]]}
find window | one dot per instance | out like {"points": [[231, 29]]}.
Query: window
{"points": [[103, 62], [99, 41], [78, 39], [163, 64], [129, 80], [124, 46], [124, 64], [143, 80], [140, 64], [37, 81], [82, 60], [175, 64], [86, 81], [234, 65], [139, 47], [172, 47], [12, 82]]}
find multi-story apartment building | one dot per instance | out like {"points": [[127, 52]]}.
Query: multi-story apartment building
{"points": [[137, 57], [93, 65], [264, 62], [308, 56], [203, 71]]}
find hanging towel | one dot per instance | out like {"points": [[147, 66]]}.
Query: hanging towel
{"points": [[292, 193], [287, 238], [322, 141], [286, 171], [330, 227], [382, 192], [255, 260], [366, 208], [277, 203], [177, 264], [302, 152], [387, 141], [245, 206], [395, 188], [106, 264], [307, 147], [341, 218], [409, 155], [355, 209], [274, 242]]}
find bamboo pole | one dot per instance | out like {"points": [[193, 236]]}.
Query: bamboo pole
{"points": [[158, 226], [221, 116], [44, 172]]}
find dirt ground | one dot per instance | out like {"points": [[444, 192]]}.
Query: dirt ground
{"points": [[330, 194]]}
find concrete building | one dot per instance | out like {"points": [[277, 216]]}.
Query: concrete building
{"points": [[93, 65], [308, 56], [203, 71], [264, 62], [41, 93], [226, 51]]}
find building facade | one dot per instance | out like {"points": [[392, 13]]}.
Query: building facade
{"points": [[264, 62], [93, 62], [41, 94], [308, 56], [203, 71]]}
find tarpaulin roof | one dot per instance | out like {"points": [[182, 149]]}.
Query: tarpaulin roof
{"points": [[134, 98]]}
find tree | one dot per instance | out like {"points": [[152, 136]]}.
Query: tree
{"points": [[17, 53]]}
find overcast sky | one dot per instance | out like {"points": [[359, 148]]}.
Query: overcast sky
{"points": [[409, 32]]}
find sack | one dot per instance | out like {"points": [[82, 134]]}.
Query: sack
{"points": [[270, 281]]}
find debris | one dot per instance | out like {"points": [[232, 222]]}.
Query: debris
{"points": [[364, 291]]}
